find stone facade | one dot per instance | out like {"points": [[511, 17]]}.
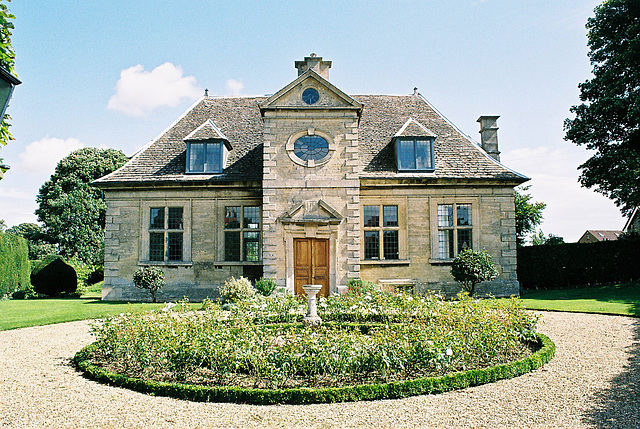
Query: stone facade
{"points": [[319, 198]]}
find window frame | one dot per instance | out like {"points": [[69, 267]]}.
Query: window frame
{"points": [[435, 228], [401, 229], [146, 230], [290, 147], [429, 140], [241, 230], [221, 154]]}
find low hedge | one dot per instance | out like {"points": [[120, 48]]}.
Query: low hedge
{"points": [[575, 264], [393, 390], [14, 264]]}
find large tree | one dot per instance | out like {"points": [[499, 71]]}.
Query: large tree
{"points": [[71, 210], [39, 247], [528, 214], [7, 61], [608, 120]]}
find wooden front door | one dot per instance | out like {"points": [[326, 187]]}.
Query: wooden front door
{"points": [[311, 264]]}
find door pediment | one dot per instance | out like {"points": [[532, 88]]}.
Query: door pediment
{"points": [[311, 212]]}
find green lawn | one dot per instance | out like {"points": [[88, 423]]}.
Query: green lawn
{"points": [[18, 313], [621, 299]]}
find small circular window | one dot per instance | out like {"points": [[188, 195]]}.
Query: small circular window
{"points": [[311, 147], [310, 96]]}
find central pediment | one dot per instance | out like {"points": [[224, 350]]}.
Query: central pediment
{"points": [[311, 212]]}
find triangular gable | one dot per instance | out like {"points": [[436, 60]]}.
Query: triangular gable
{"points": [[413, 128], [285, 99], [311, 212], [208, 131]]}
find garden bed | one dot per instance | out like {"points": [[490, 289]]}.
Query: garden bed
{"points": [[370, 347]]}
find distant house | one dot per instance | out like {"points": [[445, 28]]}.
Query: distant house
{"points": [[310, 185], [633, 223], [594, 236]]}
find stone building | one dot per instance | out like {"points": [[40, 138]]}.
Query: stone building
{"points": [[310, 185]]}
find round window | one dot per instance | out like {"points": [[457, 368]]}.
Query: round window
{"points": [[311, 147], [310, 96]]}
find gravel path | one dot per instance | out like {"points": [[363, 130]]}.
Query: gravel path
{"points": [[592, 382]]}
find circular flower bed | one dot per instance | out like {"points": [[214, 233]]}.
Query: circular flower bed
{"points": [[369, 347]]}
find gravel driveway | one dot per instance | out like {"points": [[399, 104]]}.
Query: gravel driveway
{"points": [[592, 382]]}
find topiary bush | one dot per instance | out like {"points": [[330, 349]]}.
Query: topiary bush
{"points": [[150, 278], [472, 267], [235, 290], [53, 276], [266, 286], [14, 264]]}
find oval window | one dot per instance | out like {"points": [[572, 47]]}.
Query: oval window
{"points": [[311, 147]]}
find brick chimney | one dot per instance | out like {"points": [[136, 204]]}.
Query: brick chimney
{"points": [[489, 135], [314, 63]]}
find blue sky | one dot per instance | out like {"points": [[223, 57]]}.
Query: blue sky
{"points": [[117, 73]]}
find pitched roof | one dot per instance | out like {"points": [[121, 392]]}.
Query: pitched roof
{"points": [[413, 128], [604, 235], [239, 119]]}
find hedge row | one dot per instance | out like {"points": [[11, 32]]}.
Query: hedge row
{"points": [[575, 264], [369, 392], [14, 263]]}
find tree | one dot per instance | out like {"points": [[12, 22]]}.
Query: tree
{"points": [[528, 214], [539, 239], [470, 268], [7, 61], [71, 210], [150, 278], [36, 238], [608, 120]]}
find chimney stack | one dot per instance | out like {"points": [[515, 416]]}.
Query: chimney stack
{"points": [[489, 135], [314, 63]]}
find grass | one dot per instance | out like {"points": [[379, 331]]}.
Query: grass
{"points": [[622, 299], [20, 313]]}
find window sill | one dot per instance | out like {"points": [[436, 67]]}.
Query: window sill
{"points": [[232, 263], [385, 261], [441, 261], [166, 263]]}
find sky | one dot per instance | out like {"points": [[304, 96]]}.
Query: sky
{"points": [[116, 74]]}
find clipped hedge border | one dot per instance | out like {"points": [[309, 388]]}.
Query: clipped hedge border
{"points": [[366, 392]]}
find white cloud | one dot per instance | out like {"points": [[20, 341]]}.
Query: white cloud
{"points": [[571, 209], [40, 157], [138, 91], [234, 87]]}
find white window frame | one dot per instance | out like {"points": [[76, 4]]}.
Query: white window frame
{"points": [[434, 228]]}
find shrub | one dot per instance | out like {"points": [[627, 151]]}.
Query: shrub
{"points": [[150, 278], [53, 276], [266, 286], [97, 275], [235, 290], [470, 268], [14, 264], [360, 287]]}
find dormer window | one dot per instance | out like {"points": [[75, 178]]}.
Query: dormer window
{"points": [[207, 149], [205, 157], [414, 154]]}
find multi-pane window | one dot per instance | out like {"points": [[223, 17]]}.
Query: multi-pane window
{"points": [[166, 231], [414, 154], [381, 232], [455, 229], [204, 157], [242, 233]]}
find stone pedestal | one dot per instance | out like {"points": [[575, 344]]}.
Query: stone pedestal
{"points": [[312, 317]]}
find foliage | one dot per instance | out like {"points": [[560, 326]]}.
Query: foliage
{"points": [[39, 247], [573, 264], [266, 286], [360, 287], [7, 61], [83, 272], [14, 264], [528, 214], [471, 267], [630, 235], [71, 210], [539, 239], [150, 278], [235, 290], [608, 120], [215, 349], [53, 276]]}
